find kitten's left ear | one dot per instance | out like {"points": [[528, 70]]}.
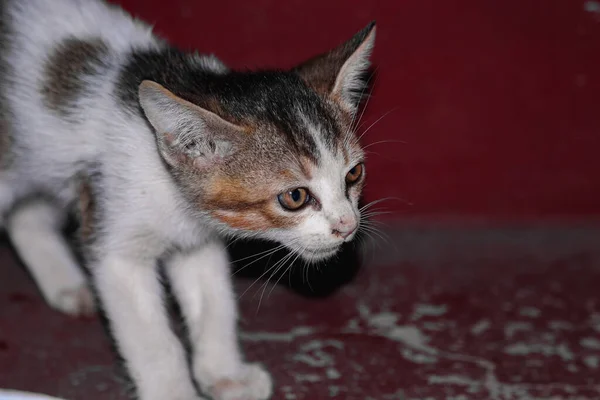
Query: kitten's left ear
{"points": [[186, 132], [340, 72]]}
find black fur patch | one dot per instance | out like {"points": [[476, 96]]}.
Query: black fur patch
{"points": [[67, 69], [269, 98]]}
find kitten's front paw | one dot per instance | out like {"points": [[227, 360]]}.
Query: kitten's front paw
{"points": [[254, 383], [75, 302]]}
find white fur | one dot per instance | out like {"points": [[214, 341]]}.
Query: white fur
{"points": [[209, 307], [50, 262], [145, 216]]}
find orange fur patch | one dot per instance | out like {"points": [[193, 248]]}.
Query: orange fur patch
{"points": [[244, 206], [306, 166]]}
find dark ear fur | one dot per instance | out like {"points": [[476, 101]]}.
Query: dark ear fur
{"points": [[340, 72], [185, 131]]}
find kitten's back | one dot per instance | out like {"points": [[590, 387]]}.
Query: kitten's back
{"points": [[41, 24], [34, 32], [58, 63]]}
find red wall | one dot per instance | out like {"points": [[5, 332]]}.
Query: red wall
{"points": [[498, 102]]}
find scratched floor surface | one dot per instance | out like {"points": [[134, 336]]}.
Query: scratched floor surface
{"points": [[478, 315]]}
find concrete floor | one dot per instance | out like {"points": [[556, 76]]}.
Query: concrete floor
{"points": [[473, 314]]}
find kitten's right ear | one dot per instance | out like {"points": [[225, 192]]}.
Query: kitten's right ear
{"points": [[187, 133], [340, 72]]}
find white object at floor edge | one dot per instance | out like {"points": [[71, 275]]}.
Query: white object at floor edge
{"points": [[16, 395]]}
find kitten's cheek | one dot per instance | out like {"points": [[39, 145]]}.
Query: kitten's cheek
{"points": [[355, 193], [313, 235], [312, 226]]}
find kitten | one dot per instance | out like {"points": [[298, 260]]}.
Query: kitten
{"points": [[184, 152]]}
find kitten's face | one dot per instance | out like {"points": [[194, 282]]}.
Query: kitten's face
{"points": [[272, 154], [303, 196], [324, 205]]}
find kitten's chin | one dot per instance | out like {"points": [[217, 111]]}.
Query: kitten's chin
{"points": [[318, 255]]}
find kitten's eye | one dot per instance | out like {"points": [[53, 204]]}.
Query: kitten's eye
{"points": [[294, 199], [355, 173]]}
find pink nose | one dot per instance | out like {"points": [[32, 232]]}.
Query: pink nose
{"points": [[345, 227]]}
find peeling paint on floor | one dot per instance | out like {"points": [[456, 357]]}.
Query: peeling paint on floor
{"points": [[287, 337], [480, 327], [592, 6], [473, 331]]}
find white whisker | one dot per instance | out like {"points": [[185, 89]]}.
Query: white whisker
{"points": [[281, 264], [382, 142], [355, 122], [258, 254], [374, 123], [261, 276], [269, 252], [374, 202], [299, 253]]}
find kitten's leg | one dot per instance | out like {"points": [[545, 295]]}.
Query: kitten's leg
{"points": [[35, 231], [132, 297], [202, 283]]}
